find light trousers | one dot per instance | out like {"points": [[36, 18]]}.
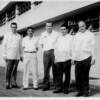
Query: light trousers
{"points": [[30, 66]]}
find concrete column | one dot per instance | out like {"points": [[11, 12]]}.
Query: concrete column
{"points": [[6, 18], [16, 11], [32, 5]]}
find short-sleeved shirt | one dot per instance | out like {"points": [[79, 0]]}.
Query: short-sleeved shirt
{"points": [[48, 40], [30, 44]]}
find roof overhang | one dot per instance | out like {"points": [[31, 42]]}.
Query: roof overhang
{"points": [[84, 9]]}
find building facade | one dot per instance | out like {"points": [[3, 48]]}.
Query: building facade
{"points": [[36, 13]]}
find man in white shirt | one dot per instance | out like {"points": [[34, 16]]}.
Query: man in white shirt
{"points": [[30, 45], [12, 52], [83, 56], [62, 54], [47, 41]]}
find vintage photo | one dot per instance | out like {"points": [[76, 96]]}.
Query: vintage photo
{"points": [[50, 48]]}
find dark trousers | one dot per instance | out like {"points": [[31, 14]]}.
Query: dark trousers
{"points": [[82, 74], [11, 72], [63, 68], [48, 60]]}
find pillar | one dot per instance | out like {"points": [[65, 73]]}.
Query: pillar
{"points": [[16, 11]]}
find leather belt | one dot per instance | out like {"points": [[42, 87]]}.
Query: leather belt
{"points": [[30, 51]]}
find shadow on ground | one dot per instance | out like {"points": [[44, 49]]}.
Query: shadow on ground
{"points": [[94, 90]]}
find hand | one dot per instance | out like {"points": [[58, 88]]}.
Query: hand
{"points": [[21, 59], [92, 61], [72, 62]]}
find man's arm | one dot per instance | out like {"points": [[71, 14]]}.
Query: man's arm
{"points": [[93, 50], [5, 48], [21, 49], [37, 44], [40, 41]]}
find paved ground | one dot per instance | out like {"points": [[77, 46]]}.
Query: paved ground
{"points": [[94, 90]]}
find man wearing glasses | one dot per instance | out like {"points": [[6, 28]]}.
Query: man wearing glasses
{"points": [[12, 52], [83, 56]]}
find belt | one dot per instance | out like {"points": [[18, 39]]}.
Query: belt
{"points": [[49, 50], [30, 51]]}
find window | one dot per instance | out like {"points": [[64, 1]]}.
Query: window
{"points": [[11, 15], [23, 7], [93, 22], [2, 20]]}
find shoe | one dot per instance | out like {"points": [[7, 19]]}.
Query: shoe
{"points": [[86, 94], [79, 94], [66, 91], [15, 86], [36, 88], [8, 86], [46, 88], [57, 91], [25, 88]]}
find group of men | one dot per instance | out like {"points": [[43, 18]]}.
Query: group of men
{"points": [[60, 51]]}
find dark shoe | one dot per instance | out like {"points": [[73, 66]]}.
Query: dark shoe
{"points": [[86, 94], [15, 86], [46, 88], [66, 91], [35, 88], [25, 88], [79, 94], [57, 91], [8, 86]]}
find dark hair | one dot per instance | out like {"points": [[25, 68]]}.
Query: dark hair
{"points": [[49, 22], [30, 28], [63, 26], [13, 23]]}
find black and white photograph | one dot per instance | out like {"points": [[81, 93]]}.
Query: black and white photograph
{"points": [[50, 48]]}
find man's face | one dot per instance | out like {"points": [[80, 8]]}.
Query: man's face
{"points": [[64, 30], [30, 32], [49, 27], [82, 26], [14, 28]]}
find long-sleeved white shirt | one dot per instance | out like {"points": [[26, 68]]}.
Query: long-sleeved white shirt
{"points": [[48, 40], [30, 44], [83, 46], [62, 49], [12, 46]]}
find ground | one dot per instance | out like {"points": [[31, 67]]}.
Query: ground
{"points": [[94, 90]]}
